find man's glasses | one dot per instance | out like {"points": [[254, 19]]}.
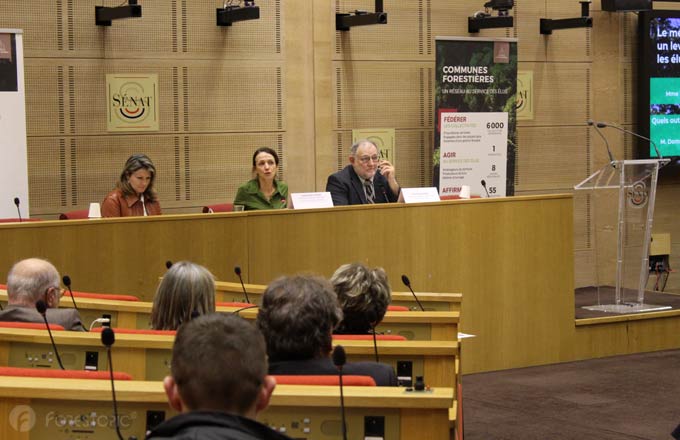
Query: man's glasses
{"points": [[366, 159]]}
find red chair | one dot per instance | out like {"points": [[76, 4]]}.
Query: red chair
{"points": [[136, 331], [62, 374], [74, 215], [349, 380], [220, 207], [368, 338], [30, 325], [235, 304], [397, 309], [107, 296]]}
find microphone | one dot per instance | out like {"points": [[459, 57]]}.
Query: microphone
{"points": [[483, 182], [632, 133], [372, 317], [236, 312], [384, 193], [237, 271], [597, 127], [67, 282], [407, 283], [17, 202], [339, 360], [168, 264], [108, 338], [42, 309]]}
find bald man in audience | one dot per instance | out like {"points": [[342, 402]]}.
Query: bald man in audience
{"points": [[30, 281]]}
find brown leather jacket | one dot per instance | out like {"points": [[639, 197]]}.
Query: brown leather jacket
{"points": [[117, 205]]}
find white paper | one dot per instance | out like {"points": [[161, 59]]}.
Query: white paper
{"points": [[311, 200], [420, 195]]}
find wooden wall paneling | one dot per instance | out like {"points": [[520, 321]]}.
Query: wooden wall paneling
{"points": [[570, 45], [324, 90], [531, 46], [449, 19], [49, 184], [553, 158], [42, 23], [219, 163], [298, 96], [608, 90], [666, 221], [45, 97], [403, 37], [253, 39], [594, 341]]}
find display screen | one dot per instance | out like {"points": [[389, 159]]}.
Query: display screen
{"points": [[659, 83]]}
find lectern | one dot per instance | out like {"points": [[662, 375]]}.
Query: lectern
{"points": [[619, 211]]}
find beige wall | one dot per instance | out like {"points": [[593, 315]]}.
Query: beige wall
{"points": [[290, 81]]}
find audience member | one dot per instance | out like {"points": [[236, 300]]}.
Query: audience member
{"points": [[186, 291], [264, 191], [134, 194], [297, 318], [28, 282], [218, 382], [367, 179], [363, 295]]}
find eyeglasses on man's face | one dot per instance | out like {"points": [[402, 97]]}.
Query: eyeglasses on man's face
{"points": [[366, 159]]}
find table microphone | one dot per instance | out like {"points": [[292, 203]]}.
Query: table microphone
{"points": [[483, 182], [597, 127], [108, 338], [67, 282], [407, 283], [168, 264], [237, 271], [17, 202], [339, 360], [42, 309], [632, 133]]}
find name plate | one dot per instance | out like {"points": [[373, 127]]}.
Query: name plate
{"points": [[311, 200], [420, 195]]}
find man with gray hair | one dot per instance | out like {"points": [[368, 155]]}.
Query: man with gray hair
{"points": [[366, 180], [30, 281]]}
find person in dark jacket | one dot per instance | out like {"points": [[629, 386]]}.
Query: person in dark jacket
{"points": [[219, 382], [297, 318]]}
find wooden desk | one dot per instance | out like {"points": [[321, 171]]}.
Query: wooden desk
{"points": [[425, 326], [511, 257], [451, 302], [147, 357], [54, 409]]}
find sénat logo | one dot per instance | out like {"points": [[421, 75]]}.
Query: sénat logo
{"points": [[132, 102], [22, 418]]}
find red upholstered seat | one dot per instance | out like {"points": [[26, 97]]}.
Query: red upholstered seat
{"points": [[234, 304], [349, 380], [74, 215], [30, 325], [62, 374], [108, 296], [220, 207], [368, 337], [397, 309], [136, 331]]}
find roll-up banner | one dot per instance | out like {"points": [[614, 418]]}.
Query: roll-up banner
{"points": [[475, 87]]}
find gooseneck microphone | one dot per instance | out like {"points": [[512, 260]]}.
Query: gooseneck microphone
{"points": [[407, 283], [17, 202], [168, 264], [597, 127], [42, 309], [372, 317], [108, 338], [237, 271], [483, 182], [236, 312], [339, 360], [67, 282], [632, 133]]}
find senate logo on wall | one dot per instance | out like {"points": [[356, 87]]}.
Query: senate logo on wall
{"points": [[132, 102]]}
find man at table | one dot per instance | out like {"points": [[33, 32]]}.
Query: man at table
{"points": [[28, 282], [366, 180], [218, 382]]}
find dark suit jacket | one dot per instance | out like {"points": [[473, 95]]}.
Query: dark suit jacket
{"points": [[67, 318], [383, 374], [347, 188]]}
